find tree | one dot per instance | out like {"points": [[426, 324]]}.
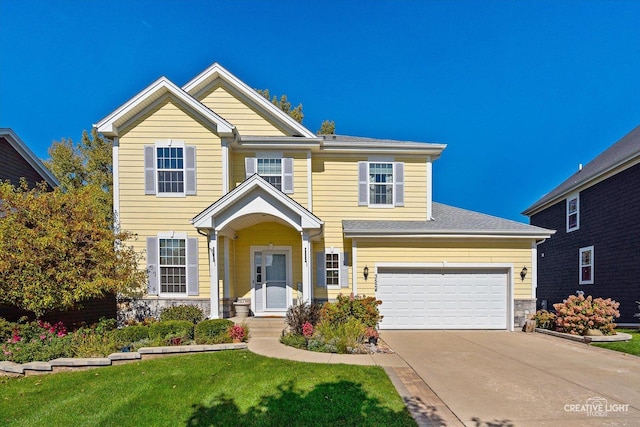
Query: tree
{"points": [[57, 249], [328, 127], [284, 105], [86, 163]]}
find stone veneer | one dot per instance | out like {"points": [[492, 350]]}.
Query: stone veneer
{"points": [[522, 310]]}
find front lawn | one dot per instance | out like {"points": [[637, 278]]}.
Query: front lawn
{"points": [[225, 388], [631, 347]]}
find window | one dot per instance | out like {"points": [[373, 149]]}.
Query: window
{"points": [[170, 169], [173, 266], [332, 268], [275, 169], [271, 171], [586, 265], [573, 213], [381, 184]]}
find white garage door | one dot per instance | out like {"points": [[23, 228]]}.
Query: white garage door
{"points": [[415, 298]]}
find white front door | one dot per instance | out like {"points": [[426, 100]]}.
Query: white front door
{"points": [[270, 279]]}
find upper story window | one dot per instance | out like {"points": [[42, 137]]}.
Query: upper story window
{"points": [[381, 184], [276, 170], [573, 212], [586, 265], [271, 171], [170, 169]]}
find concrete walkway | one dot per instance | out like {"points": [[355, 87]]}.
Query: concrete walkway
{"points": [[423, 404]]}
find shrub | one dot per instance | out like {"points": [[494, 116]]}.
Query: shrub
{"points": [[300, 314], [346, 337], [364, 309], [297, 341], [43, 350], [577, 314], [544, 319], [132, 334], [189, 312], [214, 331], [164, 331], [91, 343], [238, 332], [6, 329]]}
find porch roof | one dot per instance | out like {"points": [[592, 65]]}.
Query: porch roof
{"points": [[250, 203]]}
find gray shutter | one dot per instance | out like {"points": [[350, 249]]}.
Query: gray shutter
{"points": [[249, 166], [287, 165], [344, 270], [190, 169], [363, 184], [149, 169], [152, 266], [321, 276], [192, 266], [398, 184]]}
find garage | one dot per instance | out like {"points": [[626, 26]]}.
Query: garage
{"points": [[443, 298]]}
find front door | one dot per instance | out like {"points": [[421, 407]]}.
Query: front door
{"points": [[270, 270]]}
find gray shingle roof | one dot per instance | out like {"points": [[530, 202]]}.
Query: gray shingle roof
{"points": [[362, 139], [447, 220], [625, 150]]}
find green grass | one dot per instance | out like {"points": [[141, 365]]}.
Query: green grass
{"points": [[225, 388], [631, 347]]}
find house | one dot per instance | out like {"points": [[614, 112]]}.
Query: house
{"points": [[234, 201], [595, 251], [18, 161]]}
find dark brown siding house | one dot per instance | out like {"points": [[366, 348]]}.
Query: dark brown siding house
{"points": [[596, 248], [18, 161]]}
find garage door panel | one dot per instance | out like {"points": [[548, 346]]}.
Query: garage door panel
{"points": [[442, 299]]}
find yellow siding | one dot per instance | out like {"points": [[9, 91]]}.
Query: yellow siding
{"points": [[263, 235], [147, 215], [241, 115], [516, 253], [300, 171], [335, 194]]}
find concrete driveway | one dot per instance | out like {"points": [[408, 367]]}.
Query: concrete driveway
{"points": [[497, 378]]}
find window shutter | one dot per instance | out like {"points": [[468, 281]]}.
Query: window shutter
{"points": [[398, 184], [363, 184], [344, 270], [152, 266], [321, 281], [192, 266], [287, 166], [190, 169], [149, 170], [249, 166]]}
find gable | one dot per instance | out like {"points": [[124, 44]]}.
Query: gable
{"points": [[18, 161], [238, 111]]}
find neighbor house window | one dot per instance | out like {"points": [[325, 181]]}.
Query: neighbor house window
{"points": [[573, 213], [271, 171], [332, 268], [586, 265], [381, 184], [173, 266]]}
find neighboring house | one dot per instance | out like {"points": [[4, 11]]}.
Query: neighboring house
{"points": [[18, 161], [235, 200], [596, 249]]}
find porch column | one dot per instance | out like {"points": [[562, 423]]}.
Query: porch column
{"points": [[213, 274], [307, 288]]}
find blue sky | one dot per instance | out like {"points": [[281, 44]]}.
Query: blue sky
{"points": [[521, 91]]}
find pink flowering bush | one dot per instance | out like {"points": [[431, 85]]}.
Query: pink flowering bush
{"points": [[237, 332], [36, 341], [577, 314], [307, 330]]}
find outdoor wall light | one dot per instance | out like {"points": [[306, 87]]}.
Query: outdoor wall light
{"points": [[365, 272], [523, 273]]}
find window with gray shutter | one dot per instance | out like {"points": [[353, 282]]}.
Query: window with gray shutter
{"points": [[152, 266], [399, 184], [149, 170], [321, 281], [363, 183], [190, 169], [344, 270], [192, 266]]}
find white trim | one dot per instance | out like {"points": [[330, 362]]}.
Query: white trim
{"points": [[115, 158], [227, 269], [534, 269], [354, 265], [213, 276], [307, 272], [571, 197], [309, 182], [225, 166], [456, 265], [332, 251], [429, 167], [592, 265]]}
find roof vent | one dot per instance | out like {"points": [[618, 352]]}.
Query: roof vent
{"points": [[579, 167]]}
